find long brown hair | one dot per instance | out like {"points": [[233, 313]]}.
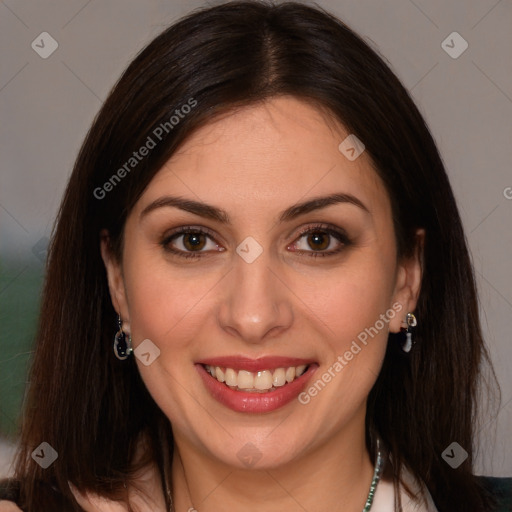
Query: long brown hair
{"points": [[92, 408]]}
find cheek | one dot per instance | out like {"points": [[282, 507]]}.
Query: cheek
{"points": [[167, 308], [163, 299], [350, 299], [353, 309]]}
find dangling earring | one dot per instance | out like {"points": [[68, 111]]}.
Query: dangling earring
{"points": [[410, 321], [122, 343]]}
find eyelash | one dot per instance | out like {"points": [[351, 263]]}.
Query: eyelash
{"points": [[322, 228]]}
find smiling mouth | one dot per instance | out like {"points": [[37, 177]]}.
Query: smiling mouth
{"points": [[263, 381]]}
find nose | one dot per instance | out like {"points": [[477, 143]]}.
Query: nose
{"points": [[256, 304]]}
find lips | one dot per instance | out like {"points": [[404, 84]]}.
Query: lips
{"points": [[251, 402]]}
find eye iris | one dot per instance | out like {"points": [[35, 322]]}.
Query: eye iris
{"points": [[318, 238], [193, 241]]}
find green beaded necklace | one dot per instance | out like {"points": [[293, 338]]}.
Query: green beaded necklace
{"points": [[375, 479]]}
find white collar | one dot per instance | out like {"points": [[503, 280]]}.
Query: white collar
{"points": [[384, 500]]}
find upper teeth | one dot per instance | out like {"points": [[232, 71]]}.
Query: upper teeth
{"points": [[262, 380]]}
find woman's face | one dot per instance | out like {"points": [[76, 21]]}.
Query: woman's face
{"points": [[253, 285]]}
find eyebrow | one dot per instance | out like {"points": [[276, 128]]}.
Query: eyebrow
{"points": [[220, 215]]}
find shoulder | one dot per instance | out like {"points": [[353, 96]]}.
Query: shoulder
{"points": [[146, 496], [90, 502], [9, 488], [8, 506]]}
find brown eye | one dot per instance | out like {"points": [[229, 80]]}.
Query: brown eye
{"points": [[318, 240], [189, 242], [194, 241]]}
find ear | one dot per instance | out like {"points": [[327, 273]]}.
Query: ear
{"points": [[408, 282], [115, 280]]}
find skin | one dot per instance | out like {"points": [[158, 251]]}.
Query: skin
{"points": [[254, 164]]}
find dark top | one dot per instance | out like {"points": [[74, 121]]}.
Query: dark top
{"points": [[501, 488]]}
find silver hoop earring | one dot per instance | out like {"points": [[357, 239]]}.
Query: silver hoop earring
{"points": [[410, 321], [122, 343]]}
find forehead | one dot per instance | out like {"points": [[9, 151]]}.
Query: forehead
{"points": [[266, 156]]}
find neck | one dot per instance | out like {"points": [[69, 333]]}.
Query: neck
{"points": [[333, 476]]}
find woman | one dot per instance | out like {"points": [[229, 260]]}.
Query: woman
{"points": [[258, 292]]}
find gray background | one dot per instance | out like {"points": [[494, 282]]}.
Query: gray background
{"points": [[46, 106]]}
